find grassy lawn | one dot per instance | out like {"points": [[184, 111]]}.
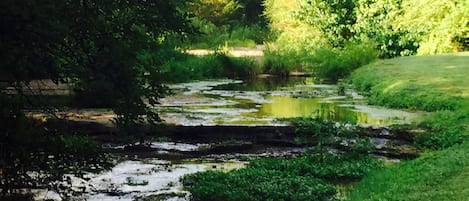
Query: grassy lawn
{"points": [[445, 72], [419, 82], [438, 83]]}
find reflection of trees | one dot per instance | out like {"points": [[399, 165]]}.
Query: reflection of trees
{"points": [[285, 107]]}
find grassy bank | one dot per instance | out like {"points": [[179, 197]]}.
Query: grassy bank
{"points": [[432, 83], [428, 83]]}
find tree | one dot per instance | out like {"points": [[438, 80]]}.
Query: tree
{"points": [[106, 50], [217, 12], [333, 18], [115, 56]]}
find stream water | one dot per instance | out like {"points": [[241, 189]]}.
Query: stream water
{"points": [[225, 102], [264, 101]]}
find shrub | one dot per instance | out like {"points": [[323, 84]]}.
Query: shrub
{"points": [[335, 64], [279, 179], [323, 134]]}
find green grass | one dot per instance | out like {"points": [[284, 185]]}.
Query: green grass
{"points": [[437, 84], [185, 67], [334, 167], [428, 83], [435, 176]]}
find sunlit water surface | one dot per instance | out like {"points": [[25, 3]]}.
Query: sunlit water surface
{"points": [[264, 101]]}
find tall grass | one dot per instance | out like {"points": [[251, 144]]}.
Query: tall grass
{"points": [[189, 67], [325, 62], [335, 64], [282, 64]]}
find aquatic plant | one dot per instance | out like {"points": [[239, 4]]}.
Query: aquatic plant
{"points": [[253, 184]]}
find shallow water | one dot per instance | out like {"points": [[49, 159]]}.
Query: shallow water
{"points": [[263, 101], [137, 179]]}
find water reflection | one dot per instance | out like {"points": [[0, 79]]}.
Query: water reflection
{"points": [[287, 107], [261, 101]]}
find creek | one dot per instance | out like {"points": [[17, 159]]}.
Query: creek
{"points": [[264, 101], [153, 174]]}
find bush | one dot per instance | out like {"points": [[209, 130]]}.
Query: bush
{"points": [[329, 63], [212, 36], [290, 179], [279, 179], [334, 64], [323, 134]]}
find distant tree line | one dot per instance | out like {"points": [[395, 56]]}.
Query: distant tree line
{"points": [[397, 27]]}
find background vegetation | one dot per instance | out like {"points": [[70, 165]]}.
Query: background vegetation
{"points": [[323, 36], [227, 23], [183, 67]]}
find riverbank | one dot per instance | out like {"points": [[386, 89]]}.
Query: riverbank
{"points": [[433, 83]]}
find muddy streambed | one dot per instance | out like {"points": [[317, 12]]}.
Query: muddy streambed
{"points": [[155, 174], [140, 178]]}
